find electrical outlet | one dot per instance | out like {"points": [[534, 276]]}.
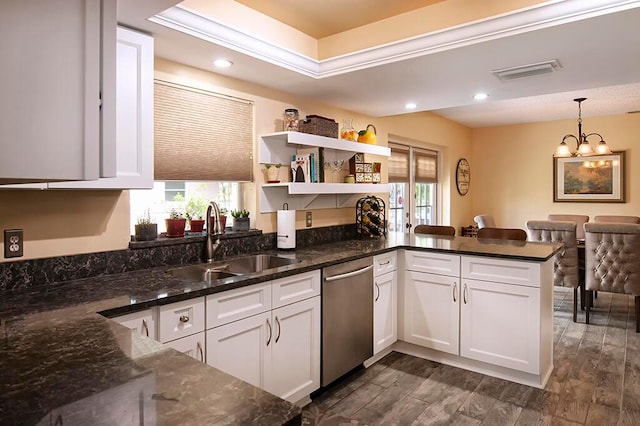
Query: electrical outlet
{"points": [[308, 219], [13, 243]]}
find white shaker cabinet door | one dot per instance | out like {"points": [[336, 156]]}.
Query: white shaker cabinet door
{"points": [[242, 348], [501, 324], [385, 293], [56, 55], [431, 304], [134, 112], [295, 363]]}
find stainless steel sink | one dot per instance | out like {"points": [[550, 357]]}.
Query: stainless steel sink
{"points": [[257, 263], [231, 268], [201, 273]]}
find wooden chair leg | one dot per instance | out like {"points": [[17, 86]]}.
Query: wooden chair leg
{"points": [[575, 304], [588, 305], [583, 295]]}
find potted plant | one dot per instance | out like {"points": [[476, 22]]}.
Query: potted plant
{"points": [[273, 172], [195, 211], [175, 224], [240, 220], [223, 219], [145, 230]]}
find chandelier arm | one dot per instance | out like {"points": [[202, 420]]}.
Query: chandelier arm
{"points": [[569, 136], [594, 133]]}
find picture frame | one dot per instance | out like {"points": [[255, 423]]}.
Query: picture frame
{"points": [[589, 179]]}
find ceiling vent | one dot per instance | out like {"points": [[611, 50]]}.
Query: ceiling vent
{"points": [[522, 71]]}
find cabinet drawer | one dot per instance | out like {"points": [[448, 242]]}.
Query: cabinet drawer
{"points": [[502, 271], [434, 263], [232, 305], [192, 346], [295, 288], [181, 319], [384, 263], [144, 322]]}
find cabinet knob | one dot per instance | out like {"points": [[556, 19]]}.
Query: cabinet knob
{"points": [[184, 318]]}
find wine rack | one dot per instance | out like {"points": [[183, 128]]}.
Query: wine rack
{"points": [[370, 217]]}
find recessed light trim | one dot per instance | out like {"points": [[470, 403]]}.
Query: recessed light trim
{"points": [[222, 63], [410, 105], [480, 96]]}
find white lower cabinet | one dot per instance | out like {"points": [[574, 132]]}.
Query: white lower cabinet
{"points": [[385, 315], [432, 311], [181, 327], [278, 349], [501, 324]]}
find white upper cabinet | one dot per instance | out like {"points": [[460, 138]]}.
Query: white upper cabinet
{"points": [[134, 112], [58, 60]]}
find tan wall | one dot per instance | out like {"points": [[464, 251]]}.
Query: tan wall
{"points": [[512, 171], [59, 223]]}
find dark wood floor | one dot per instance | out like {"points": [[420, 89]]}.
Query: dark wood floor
{"points": [[596, 381]]}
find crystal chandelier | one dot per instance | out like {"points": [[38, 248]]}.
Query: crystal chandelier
{"points": [[583, 148]]}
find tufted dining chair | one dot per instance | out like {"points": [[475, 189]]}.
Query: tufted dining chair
{"points": [[579, 219], [485, 221], [435, 230], [619, 219], [613, 261], [503, 233], [565, 262]]}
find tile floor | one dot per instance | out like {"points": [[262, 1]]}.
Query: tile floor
{"points": [[596, 381]]}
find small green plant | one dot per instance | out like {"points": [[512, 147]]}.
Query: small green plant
{"points": [[195, 208], [223, 212], [175, 214], [239, 213], [269, 165], [145, 219]]}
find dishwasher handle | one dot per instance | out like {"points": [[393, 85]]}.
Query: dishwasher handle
{"points": [[348, 274]]}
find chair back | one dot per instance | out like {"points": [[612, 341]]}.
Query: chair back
{"points": [[503, 234], [435, 230], [612, 257], [565, 262], [619, 219], [485, 221], [579, 219]]}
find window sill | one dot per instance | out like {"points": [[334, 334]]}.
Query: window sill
{"points": [[190, 237]]}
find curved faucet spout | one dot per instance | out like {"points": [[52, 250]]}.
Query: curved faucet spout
{"points": [[213, 228]]}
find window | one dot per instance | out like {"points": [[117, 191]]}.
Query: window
{"points": [[182, 196], [413, 174]]}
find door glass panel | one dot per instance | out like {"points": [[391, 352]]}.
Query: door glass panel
{"points": [[397, 205], [425, 204]]}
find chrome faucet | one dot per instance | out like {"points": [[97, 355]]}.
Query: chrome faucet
{"points": [[212, 247]]}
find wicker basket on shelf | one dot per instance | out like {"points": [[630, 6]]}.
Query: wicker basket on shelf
{"points": [[317, 125]]}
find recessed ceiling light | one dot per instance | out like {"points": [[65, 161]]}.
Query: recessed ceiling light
{"points": [[222, 63], [480, 96], [410, 105]]}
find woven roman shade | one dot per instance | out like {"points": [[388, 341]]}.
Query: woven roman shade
{"points": [[398, 163], [425, 166], [201, 135]]}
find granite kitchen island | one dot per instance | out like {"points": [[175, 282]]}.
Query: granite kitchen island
{"points": [[61, 357]]}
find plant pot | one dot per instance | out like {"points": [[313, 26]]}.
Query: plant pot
{"points": [[273, 174], [223, 223], [175, 227], [146, 232], [212, 225], [196, 225], [241, 224]]}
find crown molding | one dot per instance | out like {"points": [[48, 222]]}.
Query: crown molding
{"points": [[540, 16]]}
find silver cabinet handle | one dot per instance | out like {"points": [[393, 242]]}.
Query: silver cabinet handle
{"points": [[184, 318], [384, 263], [464, 294], [199, 346], [145, 327], [377, 288], [348, 274], [269, 325], [455, 290], [279, 329]]}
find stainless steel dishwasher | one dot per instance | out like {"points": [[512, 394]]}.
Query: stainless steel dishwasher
{"points": [[347, 317]]}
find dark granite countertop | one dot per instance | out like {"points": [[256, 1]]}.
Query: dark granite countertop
{"points": [[59, 355]]}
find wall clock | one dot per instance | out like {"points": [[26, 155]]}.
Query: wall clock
{"points": [[463, 176]]}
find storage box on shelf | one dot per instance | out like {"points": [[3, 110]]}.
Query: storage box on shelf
{"points": [[281, 146]]}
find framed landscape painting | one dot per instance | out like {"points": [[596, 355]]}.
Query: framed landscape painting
{"points": [[593, 179]]}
